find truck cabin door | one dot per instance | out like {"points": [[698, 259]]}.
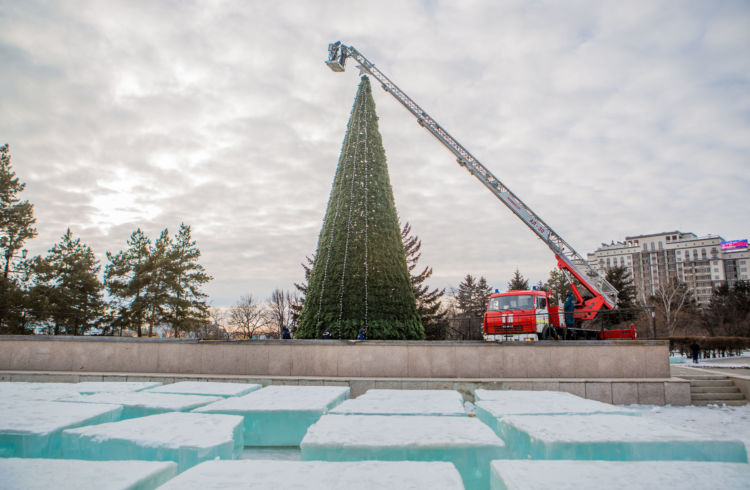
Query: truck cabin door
{"points": [[542, 314]]}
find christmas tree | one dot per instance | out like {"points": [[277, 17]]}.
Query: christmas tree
{"points": [[359, 279]]}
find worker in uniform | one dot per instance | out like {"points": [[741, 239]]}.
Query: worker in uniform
{"points": [[333, 50], [568, 307]]}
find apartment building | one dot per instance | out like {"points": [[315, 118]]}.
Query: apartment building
{"points": [[702, 263]]}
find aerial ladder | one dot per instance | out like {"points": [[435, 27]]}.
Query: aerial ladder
{"points": [[568, 260]]}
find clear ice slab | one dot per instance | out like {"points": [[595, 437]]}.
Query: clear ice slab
{"points": [[43, 474], [33, 428], [491, 405], [612, 437], [209, 388], [362, 475], [464, 441], [404, 402], [185, 438], [617, 475], [279, 415], [144, 403]]}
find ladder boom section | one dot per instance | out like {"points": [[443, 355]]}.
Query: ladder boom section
{"points": [[574, 262]]}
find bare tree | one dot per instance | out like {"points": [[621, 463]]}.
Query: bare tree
{"points": [[281, 309], [247, 316], [671, 299]]}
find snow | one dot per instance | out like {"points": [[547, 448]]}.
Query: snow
{"points": [[720, 421], [281, 398], [207, 388], [42, 417], [185, 438], [512, 402], [404, 402], [318, 475], [43, 474], [613, 437], [619, 475], [89, 387], [396, 430], [142, 403]]}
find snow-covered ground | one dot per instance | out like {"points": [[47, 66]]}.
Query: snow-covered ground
{"points": [[732, 422]]}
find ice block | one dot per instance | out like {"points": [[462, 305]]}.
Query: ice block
{"points": [[612, 437], [464, 441], [185, 438], [279, 415]]}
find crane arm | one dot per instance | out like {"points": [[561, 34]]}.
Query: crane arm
{"points": [[568, 259]]}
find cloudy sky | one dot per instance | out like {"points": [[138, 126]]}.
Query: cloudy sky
{"points": [[607, 118]]}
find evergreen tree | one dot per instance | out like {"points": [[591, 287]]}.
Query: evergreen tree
{"points": [[68, 278], [558, 286], [472, 296], [518, 282], [186, 303], [431, 313], [359, 278], [16, 227], [126, 279], [621, 279]]}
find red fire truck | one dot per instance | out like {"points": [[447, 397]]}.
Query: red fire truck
{"points": [[529, 316]]}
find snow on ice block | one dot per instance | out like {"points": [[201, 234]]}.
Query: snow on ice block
{"points": [[280, 415], [43, 474], [404, 402], [318, 474], [466, 442], [33, 428], [185, 438], [35, 391], [617, 475], [91, 387], [612, 437], [492, 405], [144, 403], [208, 388]]}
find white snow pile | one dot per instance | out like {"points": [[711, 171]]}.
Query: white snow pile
{"points": [[617, 475], [344, 431], [404, 402], [321, 475], [23, 416], [209, 388], [43, 474], [518, 402], [281, 398], [170, 430]]}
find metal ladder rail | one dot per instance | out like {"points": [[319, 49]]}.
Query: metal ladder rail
{"points": [[464, 158]]}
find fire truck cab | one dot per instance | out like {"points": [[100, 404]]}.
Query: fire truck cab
{"points": [[521, 316]]}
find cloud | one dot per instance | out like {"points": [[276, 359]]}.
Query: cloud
{"points": [[607, 118]]}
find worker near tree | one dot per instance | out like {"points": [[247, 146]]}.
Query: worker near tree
{"points": [[568, 307], [695, 350]]}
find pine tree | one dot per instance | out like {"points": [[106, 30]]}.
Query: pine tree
{"points": [[68, 278], [187, 305], [558, 286], [16, 227], [518, 282], [125, 279], [359, 278], [431, 312]]}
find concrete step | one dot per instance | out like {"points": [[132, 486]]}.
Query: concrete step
{"points": [[711, 382], [705, 376], [717, 396], [714, 389], [731, 403]]}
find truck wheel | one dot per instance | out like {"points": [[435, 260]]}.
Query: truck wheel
{"points": [[548, 333]]}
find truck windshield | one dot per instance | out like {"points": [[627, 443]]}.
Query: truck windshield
{"points": [[520, 302]]}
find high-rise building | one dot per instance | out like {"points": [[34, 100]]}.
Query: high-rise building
{"points": [[702, 263]]}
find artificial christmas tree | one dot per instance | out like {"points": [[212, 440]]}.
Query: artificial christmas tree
{"points": [[359, 279]]}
